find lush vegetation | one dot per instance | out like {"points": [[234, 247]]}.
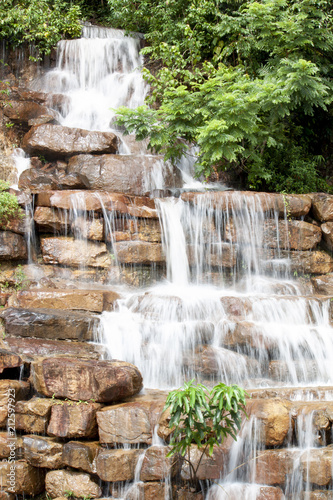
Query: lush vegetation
{"points": [[203, 417], [249, 82], [9, 207]]}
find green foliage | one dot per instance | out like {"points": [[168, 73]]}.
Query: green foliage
{"points": [[41, 23], [249, 82], [204, 417], [9, 207]]}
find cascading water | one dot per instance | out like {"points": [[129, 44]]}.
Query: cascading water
{"points": [[229, 308]]}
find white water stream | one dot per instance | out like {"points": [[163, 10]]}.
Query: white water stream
{"points": [[252, 324]]}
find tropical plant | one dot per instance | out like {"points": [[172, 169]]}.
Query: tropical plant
{"points": [[203, 417], [9, 207]]}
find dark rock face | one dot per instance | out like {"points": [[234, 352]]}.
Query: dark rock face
{"points": [[101, 381], [12, 246], [127, 174], [49, 324], [57, 141]]}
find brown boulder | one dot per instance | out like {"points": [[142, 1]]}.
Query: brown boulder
{"points": [[70, 252], [73, 420], [322, 207], [236, 491], [272, 467], [273, 416], [81, 455], [307, 262], [156, 466], [50, 323], [12, 246], [128, 174], [90, 229], [221, 255], [117, 465], [85, 300], [236, 306], [316, 466], [56, 141], [26, 480], [131, 422], [20, 225], [139, 252], [33, 416], [283, 372], [36, 181], [59, 482], [11, 391], [327, 230], [244, 335], [7, 444], [41, 451], [9, 360], [48, 219], [23, 111], [148, 491], [208, 467], [323, 284], [102, 381]]}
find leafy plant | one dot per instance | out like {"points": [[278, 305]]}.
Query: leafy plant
{"points": [[203, 417], [9, 207]]}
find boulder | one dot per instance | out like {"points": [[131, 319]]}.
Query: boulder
{"points": [[7, 444], [50, 324], [272, 467], [41, 451], [208, 467], [136, 229], [323, 284], [236, 306], [245, 336], [117, 465], [316, 262], [29, 348], [11, 391], [130, 174], [85, 300], [316, 465], [314, 416], [58, 141], [73, 420], [99, 201], [131, 422], [70, 252], [21, 478], [139, 252], [236, 491], [23, 111], [273, 417], [59, 482], [20, 225], [33, 416], [12, 246], [156, 466], [322, 207], [37, 180], [327, 230], [83, 380], [81, 455], [148, 491], [50, 220], [298, 371], [290, 205], [9, 360], [222, 255], [90, 229]]}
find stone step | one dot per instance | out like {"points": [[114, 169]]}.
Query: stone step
{"points": [[50, 324], [69, 299]]}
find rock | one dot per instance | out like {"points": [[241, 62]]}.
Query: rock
{"points": [[49, 219], [327, 230], [316, 466], [33, 416], [322, 207], [139, 252], [18, 225], [315, 417], [293, 234], [272, 467], [37, 180], [136, 229], [291, 205], [236, 491], [99, 201], [23, 199], [210, 468], [236, 306], [41, 451], [81, 455], [12, 246], [11, 391], [29, 348], [156, 466], [76, 253], [148, 491], [316, 262], [273, 416], [317, 495], [117, 465], [222, 255], [22, 480], [244, 336], [7, 444], [23, 111], [130, 174], [131, 422], [90, 229], [51, 324], [56, 141], [209, 360], [297, 372], [323, 284], [102, 381], [73, 420], [59, 482], [9, 360], [85, 300], [41, 120]]}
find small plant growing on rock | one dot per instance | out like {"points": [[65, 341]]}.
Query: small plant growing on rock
{"points": [[9, 207], [204, 418]]}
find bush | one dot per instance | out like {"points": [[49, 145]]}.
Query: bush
{"points": [[9, 207]]}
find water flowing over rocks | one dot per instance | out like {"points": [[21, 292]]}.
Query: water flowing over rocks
{"points": [[126, 273]]}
